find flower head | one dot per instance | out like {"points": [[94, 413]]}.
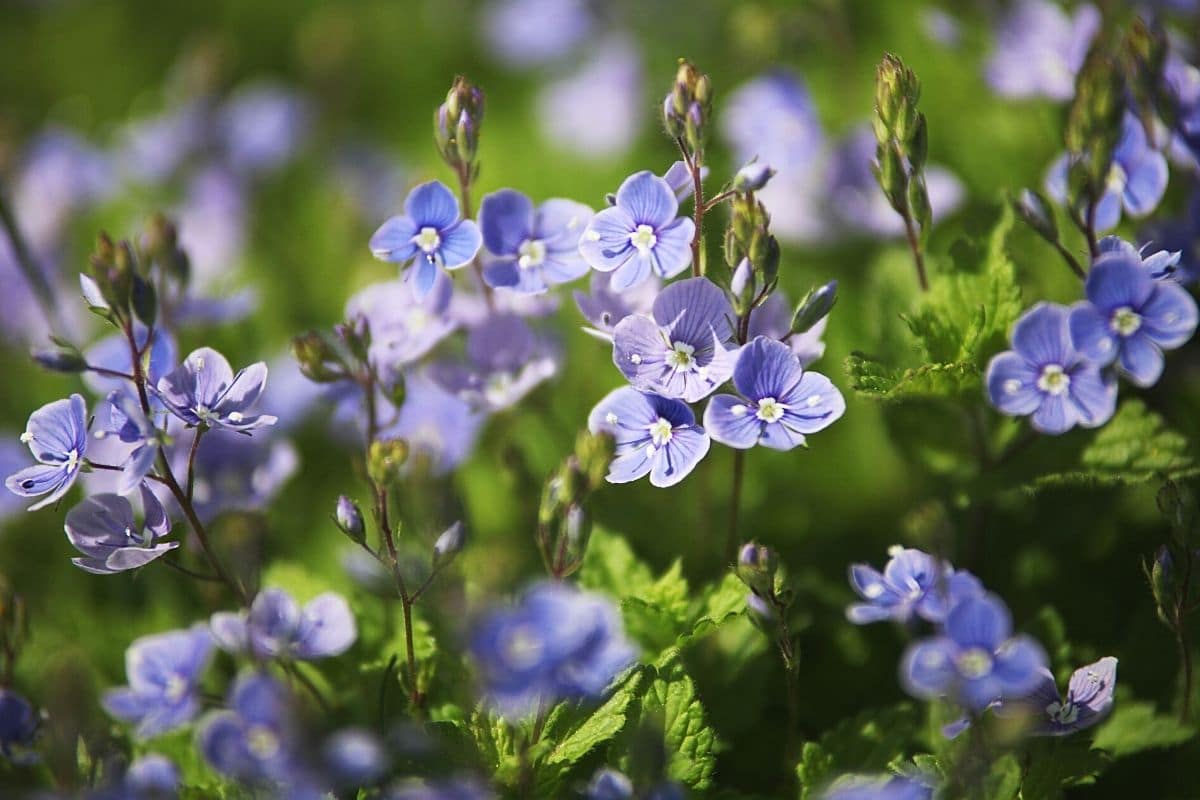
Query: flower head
{"points": [[656, 436], [151, 776], [773, 319], [254, 738], [533, 248], [641, 235], [103, 529], [204, 391], [429, 231], [1046, 377], [779, 403], [57, 436], [403, 326], [505, 361], [1180, 236], [683, 350], [1039, 48], [164, 672], [277, 627], [1130, 318], [557, 643], [262, 125], [1160, 264], [603, 308], [976, 660], [912, 583], [441, 428], [608, 784], [130, 424], [19, 723], [1088, 700]]}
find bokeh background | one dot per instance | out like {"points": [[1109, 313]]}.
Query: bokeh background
{"points": [[97, 104]]}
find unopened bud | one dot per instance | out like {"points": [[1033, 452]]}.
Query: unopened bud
{"points": [[815, 306], [752, 177], [317, 358], [1163, 585], [448, 545], [756, 568], [762, 614], [144, 300], [743, 287], [385, 458], [1034, 210], [349, 518], [594, 452], [1178, 505], [61, 357]]}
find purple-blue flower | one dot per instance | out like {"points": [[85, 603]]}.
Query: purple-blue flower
{"points": [[526, 33], [596, 111], [236, 472], [609, 784], [354, 757], [430, 232], [641, 235], [532, 248], [203, 390], [603, 308], [773, 319], [112, 353], [104, 530], [1039, 48], [912, 583], [403, 327], [975, 660], [656, 436], [1137, 178], [441, 429], [1182, 85], [505, 361], [130, 424], [277, 627], [1179, 235], [684, 349], [778, 404], [1046, 378], [164, 673], [57, 436], [1088, 700], [254, 739], [1130, 318], [557, 643], [262, 125], [152, 776], [19, 723], [877, 787], [1160, 264], [448, 789]]}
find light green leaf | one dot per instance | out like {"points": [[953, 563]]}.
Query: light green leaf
{"points": [[601, 726], [865, 743], [1137, 726], [690, 743]]}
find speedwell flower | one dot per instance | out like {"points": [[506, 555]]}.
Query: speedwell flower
{"points": [[57, 436], [505, 361], [603, 308], [655, 436], [1088, 700], [912, 583], [103, 529], [164, 672], [204, 391], [277, 627], [533, 248]]}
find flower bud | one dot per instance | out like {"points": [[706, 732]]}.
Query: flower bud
{"points": [[1163, 585], [385, 458], [594, 453], [448, 545], [1033, 208], [756, 568], [764, 255], [743, 287], [144, 300], [687, 108], [456, 125], [62, 357], [815, 306], [317, 358], [161, 239], [349, 518], [752, 177], [762, 614]]}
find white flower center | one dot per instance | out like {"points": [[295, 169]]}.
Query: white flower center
{"points": [[72, 460], [497, 386], [661, 431], [1062, 713], [1053, 380], [770, 410], [428, 240], [532, 253], [643, 239], [262, 742], [1125, 321], [975, 663], [1116, 178], [523, 647], [203, 412], [176, 687], [681, 356]]}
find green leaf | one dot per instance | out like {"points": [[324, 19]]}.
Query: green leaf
{"points": [[865, 743], [721, 602], [881, 382], [1137, 726], [690, 743], [601, 726], [1057, 763]]}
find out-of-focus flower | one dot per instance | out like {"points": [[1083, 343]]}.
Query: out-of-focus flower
{"points": [[151, 777], [877, 787], [61, 173], [773, 319], [369, 177], [450, 789], [1181, 235], [656, 436], [254, 739], [1039, 48], [57, 436], [153, 148], [604, 308], [212, 224], [608, 784], [164, 672], [236, 472], [19, 723], [505, 361], [203, 390], [596, 112], [1088, 700], [103, 529], [533, 248], [262, 125], [354, 757], [277, 627], [912, 583], [526, 33], [404, 327], [430, 233], [440, 428]]}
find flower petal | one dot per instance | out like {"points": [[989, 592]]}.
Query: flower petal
{"points": [[1119, 281], [1055, 415], [679, 457], [1042, 335], [673, 251], [731, 422], [431, 205], [326, 627], [460, 244], [505, 221], [1093, 392], [605, 241], [981, 622], [1169, 316], [394, 240], [1141, 360], [1012, 384], [1146, 184], [1091, 333], [648, 199], [927, 668], [695, 309]]}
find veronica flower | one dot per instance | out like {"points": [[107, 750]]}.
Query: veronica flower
{"points": [[151, 149], [441, 429], [277, 627], [112, 353], [608, 784], [237, 473], [12, 458], [61, 173], [877, 787], [19, 724], [975, 660], [430, 232], [1045, 377], [152, 776], [404, 327], [533, 248], [1182, 86], [1039, 48], [1130, 318], [212, 222], [684, 348], [1159, 264], [779, 403], [1179, 235], [525, 33], [773, 319], [912, 583], [1088, 700], [656, 436], [1137, 177], [604, 308], [641, 235], [596, 111], [505, 361], [204, 391], [558, 643], [102, 527], [57, 436], [164, 672], [254, 739], [354, 757], [262, 125]]}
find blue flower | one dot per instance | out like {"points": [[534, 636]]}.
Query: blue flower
{"points": [[354, 757], [262, 125], [1130, 318], [236, 472], [102, 527], [277, 627], [403, 327], [19, 724], [534, 248], [640, 236], [1182, 85], [608, 784], [679, 178], [253, 740], [558, 643], [1137, 178], [151, 776], [912, 583], [779, 403], [204, 391], [877, 787], [975, 661], [1088, 700], [129, 423], [505, 361], [1046, 377], [526, 33], [429, 231], [448, 789], [603, 308], [164, 672], [685, 350], [1160, 264], [596, 111], [773, 319], [1179, 235], [654, 435], [1039, 48], [57, 436], [441, 429], [112, 352]]}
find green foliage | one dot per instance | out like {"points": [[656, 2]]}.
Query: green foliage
{"points": [[691, 745], [1057, 763], [868, 742], [1136, 726]]}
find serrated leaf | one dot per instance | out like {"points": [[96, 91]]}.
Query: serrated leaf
{"points": [[721, 603], [1137, 726], [865, 743], [877, 380], [690, 742], [601, 726], [1058, 762]]}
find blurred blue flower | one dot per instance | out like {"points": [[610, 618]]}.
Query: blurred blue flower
{"points": [[212, 221], [975, 660], [164, 673], [603, 308], [112, 353], [235, 472], [1039, 48], [533, 249], [1046, 377], [429, 231], [277, 627], [153, 148], [354, 757], [557, 643], [526, 33], [1137, 178], [60, 174], [12, 458], [449, 789], [254, 738], [1088, 700], [685, 349], [103, 529], [19, 723], [505, 361], [609, 784], [57, 436], [779, 402], [1182, 86], [1130, 318], [641, 235], [596, 111], [404, 327], [679, 178], [877, 787], [441, 429], [655, 436], [773, 319], [912, 583], [262, 125], [203, 390], [1179, 235]]}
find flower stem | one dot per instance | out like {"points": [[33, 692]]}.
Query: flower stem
{"points": [[191, 462], [464, 192], [914, 244], [693, 164]]}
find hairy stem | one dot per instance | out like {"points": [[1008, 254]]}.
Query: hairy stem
{"points": [[692, 161], [42, 290], [914, 244]]}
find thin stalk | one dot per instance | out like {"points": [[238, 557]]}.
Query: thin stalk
{"points": [[693, 164], [200, 576], [914, 244], [191, 462], [464, 192], [1181, 637], [42, 290], [1072, 262]]}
